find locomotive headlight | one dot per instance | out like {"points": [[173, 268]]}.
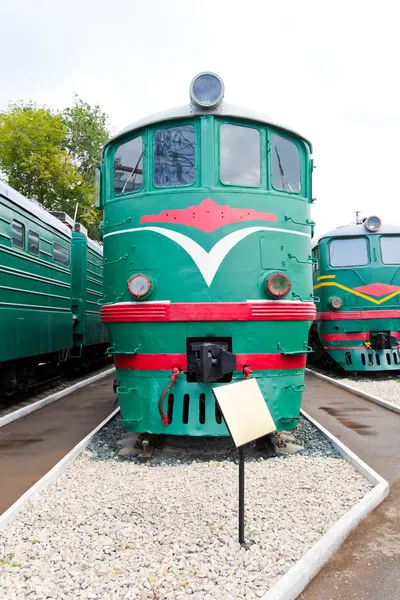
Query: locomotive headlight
{"points": [[373, 223], [335, 302], [278, 285], [206, 90], [139, 285]]}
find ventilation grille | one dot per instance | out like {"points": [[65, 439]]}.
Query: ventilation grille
{"points": [[386, 358], [193, 409]]}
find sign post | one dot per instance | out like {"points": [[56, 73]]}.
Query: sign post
{"points": [[247, 417]]}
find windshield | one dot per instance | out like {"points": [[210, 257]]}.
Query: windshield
{"points": [[128, 167], [285, 165], [174, 156], [240, 155], [390, 249], [348, 252]]}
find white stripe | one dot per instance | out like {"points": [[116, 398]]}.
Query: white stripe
{"points": [[208, 263]]}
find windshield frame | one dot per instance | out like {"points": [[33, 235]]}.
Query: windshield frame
{"points": [[391, 264], [353, 237], [262, 136], [303, 179]]}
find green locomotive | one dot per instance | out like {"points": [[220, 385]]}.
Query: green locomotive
{"points": [[357, 278], [207, 262], [50, 287]]}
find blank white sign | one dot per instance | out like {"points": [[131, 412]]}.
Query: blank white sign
{"points": [[245, 410]]}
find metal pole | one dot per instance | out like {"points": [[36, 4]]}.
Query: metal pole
{"points": [[241, 495]]}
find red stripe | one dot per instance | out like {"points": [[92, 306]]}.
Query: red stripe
{"points": [[332, 337], [208, 311], [345, 348], [359, 315], [163, 362]]}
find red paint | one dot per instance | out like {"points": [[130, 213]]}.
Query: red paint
{"points": [[359, 315], [332, 337], [377, 289], [158, 312], [166, 362], [345, 348], [208, 216], [247, 372]]}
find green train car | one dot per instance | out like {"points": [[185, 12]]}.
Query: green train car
{"points": [[357, 279], [50, 287], [207, 262]]}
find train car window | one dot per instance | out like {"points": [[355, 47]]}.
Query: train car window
{"points": [[174, 156], [315, 254], [33, 243], [60, 255], [286, 173], [240, 155], [390, 249], [128, 167], [18, 234], [348, 252]]}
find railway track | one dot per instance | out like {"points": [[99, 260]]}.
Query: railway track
{"points": [[31, 446], [366, 567], [58, 384]]}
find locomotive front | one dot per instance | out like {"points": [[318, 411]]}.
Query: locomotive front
{"points": [[207, 262], [357, 278]]}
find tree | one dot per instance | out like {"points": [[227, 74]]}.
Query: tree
{"points": [[87, 132], [51, 157], [33, 158]]}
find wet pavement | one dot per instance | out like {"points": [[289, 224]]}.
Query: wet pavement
{"points": [[367, 566], [30, 447]]}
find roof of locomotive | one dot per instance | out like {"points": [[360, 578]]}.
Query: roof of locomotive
{"points": [[34, 208], [189, 110], [357, 230]]}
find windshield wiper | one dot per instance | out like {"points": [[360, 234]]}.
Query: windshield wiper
{"points": [[282, 172], [131, 173]]}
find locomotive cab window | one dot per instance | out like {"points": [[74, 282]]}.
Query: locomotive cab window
{"points": [[390, 249], [174, 156], [348, 252], [128, 167], [239, 155], [286, 170], [315, 255], [33, 243], [60, 255], [18, 234]]}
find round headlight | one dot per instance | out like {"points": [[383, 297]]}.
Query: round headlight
{"points": [[278, 285], [373, 223], [335, 302], [206, 90], [139, 285]]}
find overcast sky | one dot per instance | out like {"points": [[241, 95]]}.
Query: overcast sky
{"points": [[329, 70]]}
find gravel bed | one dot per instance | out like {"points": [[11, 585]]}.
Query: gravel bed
{"points": [[387, 389], [9, 405], [113, 528]]}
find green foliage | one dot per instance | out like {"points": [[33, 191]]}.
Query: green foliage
{"points": [[51, 157], [87, 132]]}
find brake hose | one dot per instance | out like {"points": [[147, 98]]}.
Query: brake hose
{"points": [[173, 378]]}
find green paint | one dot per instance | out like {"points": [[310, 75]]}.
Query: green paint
{"points": [[175, 276], [353, 277]]}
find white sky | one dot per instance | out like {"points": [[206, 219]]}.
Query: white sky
{"points": [[329, 70]]}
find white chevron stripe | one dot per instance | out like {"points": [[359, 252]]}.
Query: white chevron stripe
{"points": [[208, 263]]}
